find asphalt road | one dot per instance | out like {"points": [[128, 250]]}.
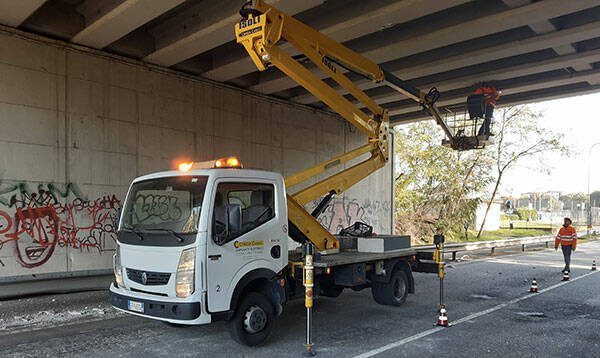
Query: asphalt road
{"points": [[493, 315]]}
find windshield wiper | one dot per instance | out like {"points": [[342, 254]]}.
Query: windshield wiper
{"points": [[139, 234], [172, 232]]}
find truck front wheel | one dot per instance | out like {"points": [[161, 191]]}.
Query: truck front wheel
{"points": [[253, 319], [392, 293]]}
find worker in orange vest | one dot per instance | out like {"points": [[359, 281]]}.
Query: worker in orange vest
{"points": [[567, 238], [490, 96]]}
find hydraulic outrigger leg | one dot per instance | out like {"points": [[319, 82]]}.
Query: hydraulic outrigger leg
{"points": [[307, 248], [438, 256]]}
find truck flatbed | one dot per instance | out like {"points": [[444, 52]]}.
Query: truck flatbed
{"points": [[350, 255]]}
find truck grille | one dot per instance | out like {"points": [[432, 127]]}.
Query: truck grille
{"points": [[152, 278]]}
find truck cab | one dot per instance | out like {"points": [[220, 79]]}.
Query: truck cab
{"points": [[193, 242]]}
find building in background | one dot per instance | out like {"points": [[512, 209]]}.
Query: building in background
{"points": [[540, 201]]}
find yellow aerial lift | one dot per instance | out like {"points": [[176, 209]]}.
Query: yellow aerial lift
{"points": [[261, 31], [239, 268]]}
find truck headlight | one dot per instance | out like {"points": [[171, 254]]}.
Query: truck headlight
{"points": [[184, 280], [117, 267]]}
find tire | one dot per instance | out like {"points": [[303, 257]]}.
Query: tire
{"points": [[394, 292], [253, 320]]}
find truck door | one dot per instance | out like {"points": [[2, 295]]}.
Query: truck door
{"points": [[243, 231]]}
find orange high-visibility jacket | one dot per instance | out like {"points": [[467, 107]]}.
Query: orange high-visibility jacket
{"points": [[566, 237], [490, 95]]}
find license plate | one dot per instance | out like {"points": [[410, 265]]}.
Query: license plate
{"points": [[135, 306]]}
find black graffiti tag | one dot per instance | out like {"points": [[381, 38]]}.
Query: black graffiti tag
{"points": [[163, 207]]}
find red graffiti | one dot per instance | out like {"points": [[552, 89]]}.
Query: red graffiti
{"points": [[35, 231], [5, 223]]}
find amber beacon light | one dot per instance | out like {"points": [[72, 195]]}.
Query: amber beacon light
{"points": [[185, 167], [231, 162]]}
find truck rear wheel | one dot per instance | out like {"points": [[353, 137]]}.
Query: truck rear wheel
{"points": [[253, 319], [392, 293]]}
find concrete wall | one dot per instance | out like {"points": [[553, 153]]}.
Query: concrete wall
{"points": [[76, 127]]}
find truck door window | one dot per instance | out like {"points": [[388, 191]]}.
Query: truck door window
{"points": [[256, 203]]}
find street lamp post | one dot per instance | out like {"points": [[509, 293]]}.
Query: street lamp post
{"points": [[589, 216]]}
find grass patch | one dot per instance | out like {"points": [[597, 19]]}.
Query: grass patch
{"points": [[522, 224], [498, 234]]}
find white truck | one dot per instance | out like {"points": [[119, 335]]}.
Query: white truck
{"points": [[211, 244], [209, 241]]}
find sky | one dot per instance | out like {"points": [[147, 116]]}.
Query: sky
{"points": [[579, 119]]}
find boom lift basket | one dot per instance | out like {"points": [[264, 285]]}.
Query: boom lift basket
{"points": [[466, 125]]}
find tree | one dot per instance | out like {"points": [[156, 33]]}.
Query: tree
{"points": [[526, 214], [519, 135], [436, 187]]}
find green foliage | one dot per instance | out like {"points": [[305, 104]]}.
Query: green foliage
{"points": [[436, 188], [521, 133], [509, 217], [526, 214]]}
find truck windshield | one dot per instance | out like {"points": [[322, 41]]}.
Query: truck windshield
{"points": [[171, 204]]}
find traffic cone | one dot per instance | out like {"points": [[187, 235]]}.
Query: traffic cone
{"points": [[565, 275], [594, 265], [443, 319], [534, 288]]}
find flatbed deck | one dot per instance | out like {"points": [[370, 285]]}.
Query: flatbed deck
{"points": [[346, 257]]}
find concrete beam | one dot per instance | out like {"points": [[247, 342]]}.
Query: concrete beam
{"points": [[512, 48], [479, 27], [545, 27], [369, 20], [121, 20], [13, 13], [546, 94], [93, 10], [509, 87], [502, 73], [185, 36]]}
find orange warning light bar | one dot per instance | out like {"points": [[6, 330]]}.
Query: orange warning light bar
{"points": [[231, 162], [185, 166]]}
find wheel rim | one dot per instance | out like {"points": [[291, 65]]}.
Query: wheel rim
{"points": [[399, 289], [255, 319]]}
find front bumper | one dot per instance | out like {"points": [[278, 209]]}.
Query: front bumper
{"points": [[175, 312]]}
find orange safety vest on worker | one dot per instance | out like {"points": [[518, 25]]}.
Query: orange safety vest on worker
{"points": [[566, 237], [490, 95]]}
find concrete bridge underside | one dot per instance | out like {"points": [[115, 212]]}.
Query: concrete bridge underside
{"points": [[96, 92]]}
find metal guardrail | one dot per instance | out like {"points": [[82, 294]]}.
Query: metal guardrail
{"points": [[455, 247]]}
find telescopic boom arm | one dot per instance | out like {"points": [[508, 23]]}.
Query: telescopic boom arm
{"points": [[260, 32]]}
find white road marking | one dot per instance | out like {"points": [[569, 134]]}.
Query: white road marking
{"points": [[538, 264], [466, 319]]}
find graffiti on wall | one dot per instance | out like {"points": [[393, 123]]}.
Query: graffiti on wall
{"points": [[34, 222], [343, 213]]}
